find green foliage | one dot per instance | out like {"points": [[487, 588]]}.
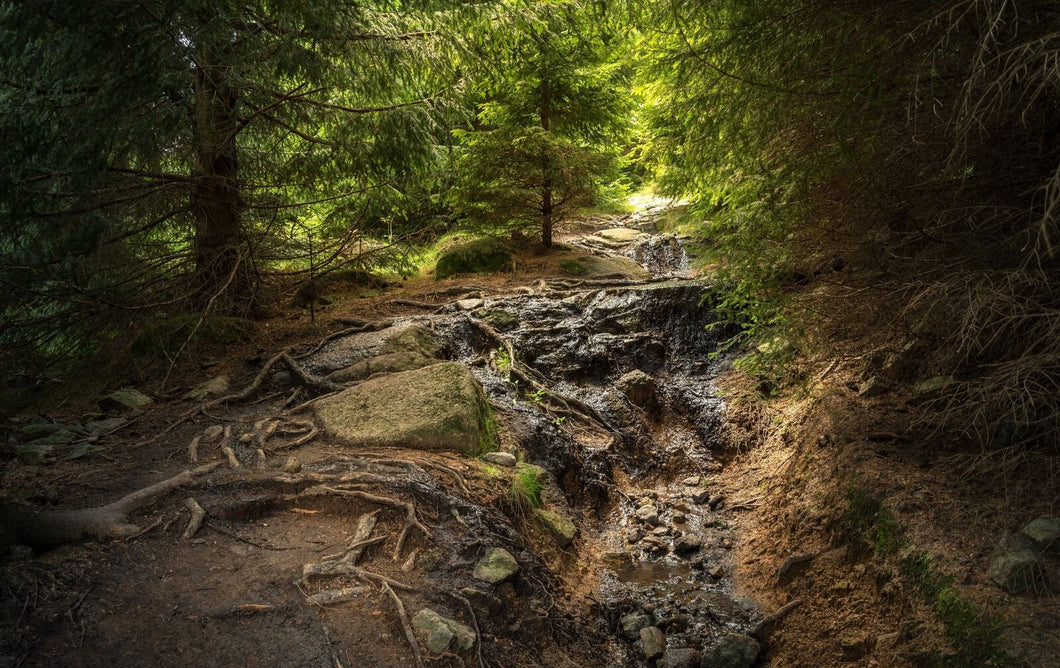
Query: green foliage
{"points": [[552, 110], [489, 436], [913, 142], [169, 152], [525, 491], [481, 256]]}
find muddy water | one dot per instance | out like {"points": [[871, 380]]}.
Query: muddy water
{"points": [[662, 536]]}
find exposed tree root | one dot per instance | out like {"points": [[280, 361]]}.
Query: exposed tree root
{"points": [[42, 529], [409, 635], [197, 516], [342, 563], [763, 627], [331, 596]]}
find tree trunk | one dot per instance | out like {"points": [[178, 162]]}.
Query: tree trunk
{"points": [[224, 274], [546, 166]]}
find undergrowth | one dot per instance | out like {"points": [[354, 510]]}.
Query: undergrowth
{"points": [[526, 489]]}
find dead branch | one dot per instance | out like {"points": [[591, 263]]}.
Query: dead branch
{"points": [[769, 621], [330, 596], [193, 449], [409, 635]]}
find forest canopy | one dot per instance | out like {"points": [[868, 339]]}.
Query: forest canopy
{"points": [[852, 166]]}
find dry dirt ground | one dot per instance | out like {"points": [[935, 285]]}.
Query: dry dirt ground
{"points": [[228, 595]]}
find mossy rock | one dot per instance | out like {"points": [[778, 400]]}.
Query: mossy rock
{"points": [[415, 339], [481, 256], [439, 407], [561, 528], [591, 266], [382, 364]]}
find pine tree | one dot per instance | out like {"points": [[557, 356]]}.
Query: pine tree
{"points": [[154, 151], [554, 104]]}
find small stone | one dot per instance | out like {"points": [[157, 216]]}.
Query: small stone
{"points": [[692, 481], [855, 648], [679, 657], [652, 642], [716, 501], [469, 304], [873, 387], [292, 465], [734, 651], [615, 557], [645, 501], [660, 531], [639, 388], [682, 506], [688, 544], [717, 572], [1045, 532], [247, 437], [214, 387], [648, 515], [497, 566], [105, 426], [442, 633], [633, 623], [1015, 566], [561, 528], [125, 399], [500, 458], [214, 433], [700, 497], [680, 517]]}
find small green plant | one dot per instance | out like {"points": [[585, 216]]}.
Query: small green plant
{"points": [[502, 360], [526, 488], [537, 396], [491, 471]]}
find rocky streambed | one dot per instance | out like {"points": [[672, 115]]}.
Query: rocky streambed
{"points": [[603, 389]]}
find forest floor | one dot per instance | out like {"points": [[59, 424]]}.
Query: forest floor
{"points": [[829, 497]]}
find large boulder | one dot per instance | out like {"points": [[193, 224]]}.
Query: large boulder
{"points": [[1045, 532], [439, 407]]}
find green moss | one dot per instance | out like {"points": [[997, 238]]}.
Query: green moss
{"points": [[481, 256], [975, 637], [573, 267], [488, 435]]}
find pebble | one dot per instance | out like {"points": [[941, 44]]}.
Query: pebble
{"points": [[700, 497], [648, 515], [680, 517], [692, 481], [500, 458]]}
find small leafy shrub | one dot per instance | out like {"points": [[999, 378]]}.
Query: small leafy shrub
{"points": [[481, 256]]}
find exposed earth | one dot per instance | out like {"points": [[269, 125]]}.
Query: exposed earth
{"points": [[547, 467]]}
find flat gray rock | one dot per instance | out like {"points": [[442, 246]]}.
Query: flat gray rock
{"points": [[439, 407]]}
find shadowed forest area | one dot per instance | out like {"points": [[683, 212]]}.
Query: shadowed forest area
{"points": [[823, 233]]}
